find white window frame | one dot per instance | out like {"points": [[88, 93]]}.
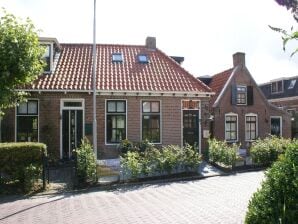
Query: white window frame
{"points": [[51, 55], [237, 129], [281, 125], [276, 83], [16, 115], [257, 126], [106, 109], [160, 119], [241, 86], [62, 107]]}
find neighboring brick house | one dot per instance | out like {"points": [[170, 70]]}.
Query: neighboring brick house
{"points": [[141, 94], [241, 113], [283, 93]]}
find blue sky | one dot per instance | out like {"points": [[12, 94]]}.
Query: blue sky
{"points": [[206, 33]]}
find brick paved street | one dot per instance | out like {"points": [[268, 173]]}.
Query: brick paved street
{"points": [[213, 200]]}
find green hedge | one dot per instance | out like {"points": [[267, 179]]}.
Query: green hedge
{"points": [[21, 162], [266, 151], [277, 200], [222, 153], [152, 161]]}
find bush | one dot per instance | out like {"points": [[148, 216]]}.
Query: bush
{"points": [[125, 146], [264, 152], [222, 153], [277, 200], [154, 161], [86, 163], [21, 163]]}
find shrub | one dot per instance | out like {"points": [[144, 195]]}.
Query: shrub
{"points": [[277, 200], [21, 162], [264, 152], [154, 161], [86, 163], [221, 152], [125, 146]]}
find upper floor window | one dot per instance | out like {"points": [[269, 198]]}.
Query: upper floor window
{"points": [[151, 121], [117, 57], [47, 57], [277, 87], [292, 84], [116, 121], [143, 58], [242, 95]]}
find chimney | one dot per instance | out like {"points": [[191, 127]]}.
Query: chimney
{"points": [[151, 42], [238, 59]]}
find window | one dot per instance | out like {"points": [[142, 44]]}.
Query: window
{"points": [[116, 121], [151, 121], [231, 127], [27, 121], [277, 87], [292, 84], [251, 127], [276, 126], [47, 57], [241, 95], [117, 57], [143, 58]]}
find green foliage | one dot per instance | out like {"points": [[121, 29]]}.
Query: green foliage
{"points": [[21, 162], [266, 151], [154, 161], [86, 163], [20, 58], [221, 152], [125, 146], [277, 199]]}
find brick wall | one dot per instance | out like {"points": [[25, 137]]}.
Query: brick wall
{"points": [[50, 118]]}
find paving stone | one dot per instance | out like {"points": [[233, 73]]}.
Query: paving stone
{"points": [[220, 199]]}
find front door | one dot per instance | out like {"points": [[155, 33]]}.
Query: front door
{"points": [[276, 126], [191, 127]]}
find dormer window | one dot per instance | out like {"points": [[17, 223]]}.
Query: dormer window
{"points": [[117, 57], [47, 57], [143, 58], [241, 95], [292, 84], [277, 87]]}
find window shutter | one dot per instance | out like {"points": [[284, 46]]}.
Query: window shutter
{"points": [[234, 95], [250, 95]]}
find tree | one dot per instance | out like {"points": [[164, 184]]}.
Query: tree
{"points": [[292, 34], [20, 58]]}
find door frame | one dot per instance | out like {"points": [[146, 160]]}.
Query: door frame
{"points": [[280, 120], [199, 126], [62, 107]]}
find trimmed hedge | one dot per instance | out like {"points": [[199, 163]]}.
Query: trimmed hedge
{"points": [[277, 200], [21, 162], [266, 151]]}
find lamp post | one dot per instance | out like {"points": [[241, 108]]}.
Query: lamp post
{"points": [[94, 61]]}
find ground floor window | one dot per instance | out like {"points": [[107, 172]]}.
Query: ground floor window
{"points": [[27, 121], [276, 124], [116, 121], [250, 127], [151, 121], [231, 127]]}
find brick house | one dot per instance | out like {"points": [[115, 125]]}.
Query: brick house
{"points": [[141, 94], [283, 93], [241, 113]]}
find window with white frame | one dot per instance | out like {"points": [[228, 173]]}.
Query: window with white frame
{"points": [[277, 87], [47, 57], [241, 95], [231, 127], [27, 121], [116, 121], [151, 121], [251, 124]]}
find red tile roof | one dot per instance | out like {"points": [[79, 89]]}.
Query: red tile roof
{"points": [[74, 71], [218, 82]]}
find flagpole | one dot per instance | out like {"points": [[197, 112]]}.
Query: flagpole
{"points": [[94, 83]]}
